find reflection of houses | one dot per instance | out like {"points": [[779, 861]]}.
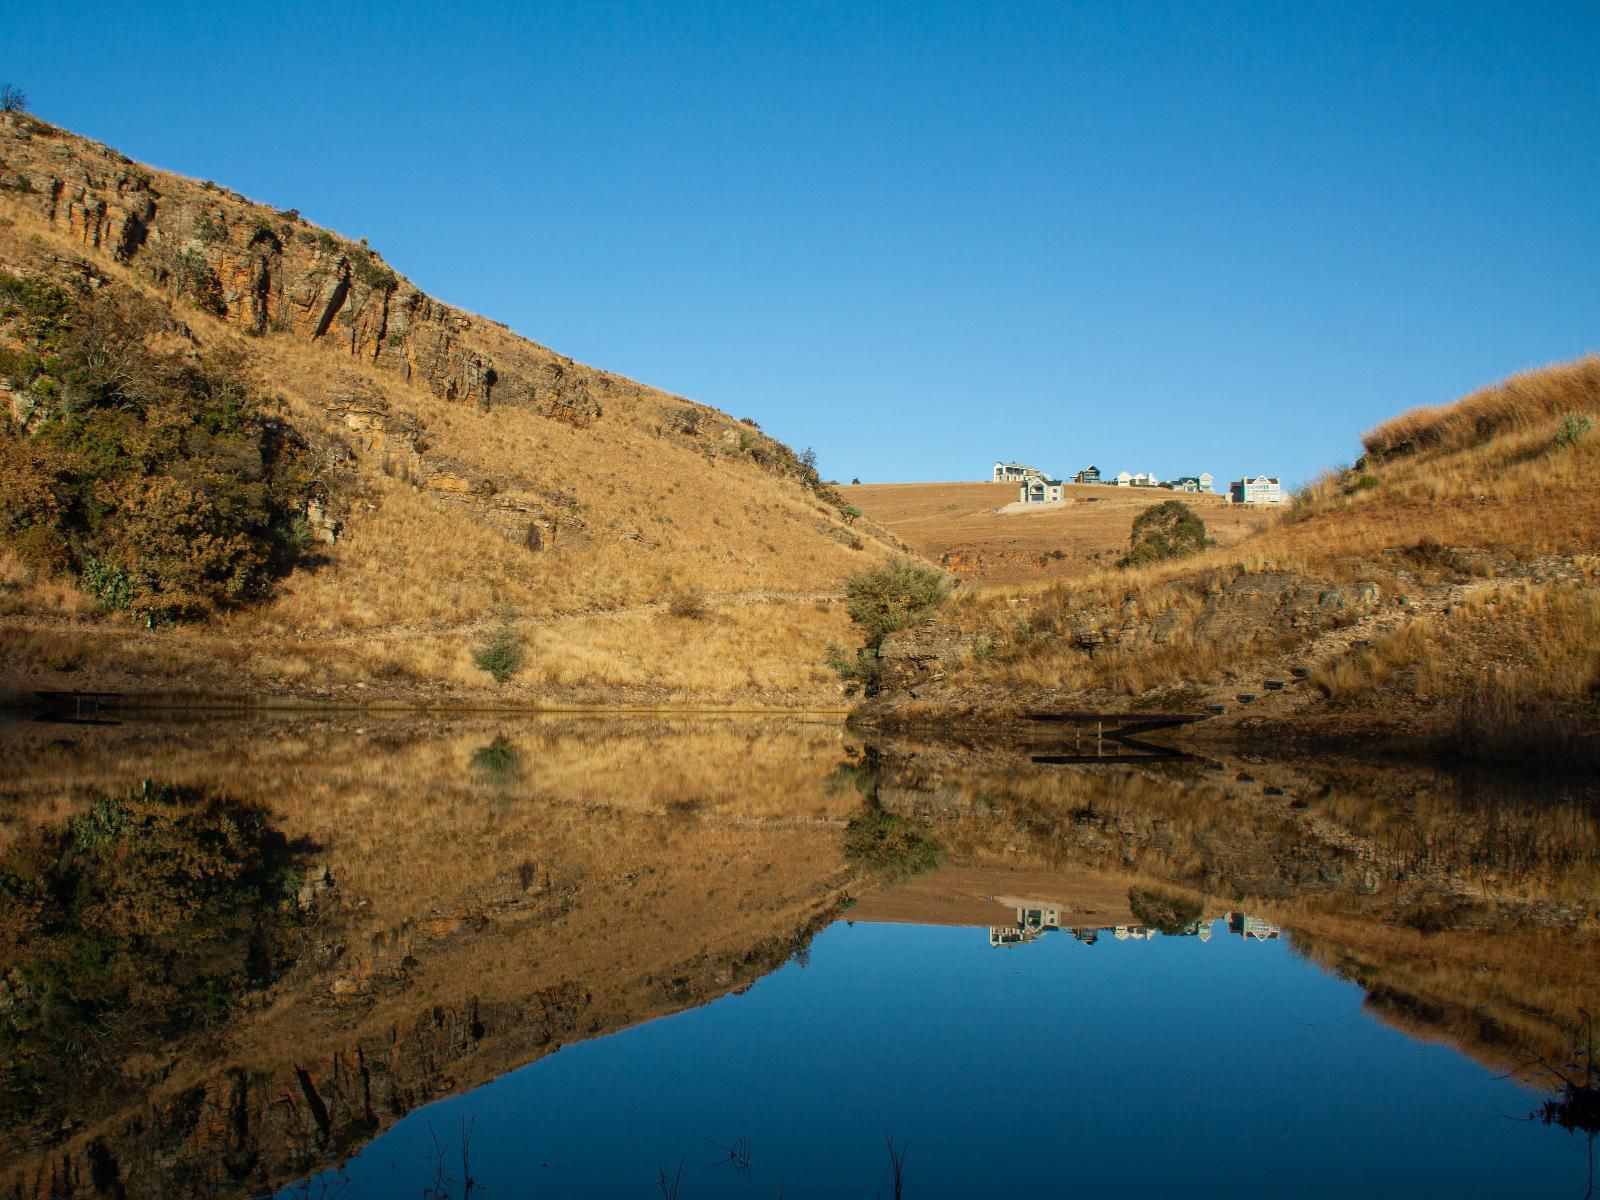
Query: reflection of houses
{"points": [[1039, 490], [1014, 472], [1249, 927], [1036, 918], [1262, 489]]}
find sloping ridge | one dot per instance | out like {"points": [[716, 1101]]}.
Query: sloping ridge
{"points": [[464, 475], [1441, 594]]}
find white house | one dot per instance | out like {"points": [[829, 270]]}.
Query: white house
{"points": [[1039, 490], [1142, 479], [1262, 489], [1191, 483], [1014, 472], [1251, 928]]}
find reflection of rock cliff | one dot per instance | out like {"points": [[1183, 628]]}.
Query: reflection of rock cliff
{"points": [[462, 922]]}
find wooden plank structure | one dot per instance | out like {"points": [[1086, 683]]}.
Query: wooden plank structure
{"points": [[1124, 735], [78, 708]]}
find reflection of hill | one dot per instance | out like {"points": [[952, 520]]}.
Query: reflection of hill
{"points": [[467, 914], [1462, 904]]}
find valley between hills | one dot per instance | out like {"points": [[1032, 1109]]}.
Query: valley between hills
{"points": [[245, 460]]}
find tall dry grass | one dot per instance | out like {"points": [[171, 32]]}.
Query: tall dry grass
{"points": [[1522, 402]]}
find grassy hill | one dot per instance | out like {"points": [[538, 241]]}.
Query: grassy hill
{"points": [[1441, 592], [959, 526], [240, 453]]}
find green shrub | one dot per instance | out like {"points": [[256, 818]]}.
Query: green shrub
{"points": [[209, 227], [367, 269], [498, 760], [1574, 427], [109, 585], [1167, 530], [501, 655], [199, 283], [154, 476], [888, 598], [850, 512], [858, 668], [888, 843]]}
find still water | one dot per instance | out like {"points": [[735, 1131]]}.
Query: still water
{"points": [[596, 958], [1160, 1067]]}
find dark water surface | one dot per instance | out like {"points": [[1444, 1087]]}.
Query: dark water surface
{"points": [[614, 957]]}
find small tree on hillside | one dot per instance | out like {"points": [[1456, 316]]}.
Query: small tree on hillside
{"points": [[881, 601], [12, 98], [1163, 531], [502, 653], [891, 597]]}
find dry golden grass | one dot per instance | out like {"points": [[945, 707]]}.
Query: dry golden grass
{"points": [[1495, 489], [956, 524], [637, 509], [1521, 403]]}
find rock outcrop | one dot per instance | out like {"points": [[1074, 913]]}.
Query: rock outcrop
{"points": [[268, 272]]}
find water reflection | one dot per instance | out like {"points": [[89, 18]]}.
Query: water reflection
{"points": [[308, 929]]}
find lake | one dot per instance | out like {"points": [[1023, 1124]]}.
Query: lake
{"points": [[623, 956]]}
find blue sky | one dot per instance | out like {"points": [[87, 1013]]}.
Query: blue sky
{"points": [[1165, 237]]}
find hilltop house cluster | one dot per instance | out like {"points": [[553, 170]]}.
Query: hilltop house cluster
{"points": [[1036, 487]]}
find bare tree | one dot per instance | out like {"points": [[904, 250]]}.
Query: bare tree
{"points": [[12, 98]]}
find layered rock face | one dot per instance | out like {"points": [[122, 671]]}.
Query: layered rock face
{"points": [[269, 272]]}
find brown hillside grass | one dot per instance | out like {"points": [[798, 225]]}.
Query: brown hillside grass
{"points": [[957, 526], [1484, 549], [652, 504], [1522, 402]]}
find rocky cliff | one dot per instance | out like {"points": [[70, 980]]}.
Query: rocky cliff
{"points": [[267, 271]]}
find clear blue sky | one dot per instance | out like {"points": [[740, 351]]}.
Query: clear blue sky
{"points": [[1166, 237]]}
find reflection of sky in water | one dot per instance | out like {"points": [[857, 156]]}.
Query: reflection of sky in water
{"points": [[1160, 1067]]}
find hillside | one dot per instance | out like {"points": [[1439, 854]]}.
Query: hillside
{"points": [[1439, 594], [959, 526], [242, 454]]}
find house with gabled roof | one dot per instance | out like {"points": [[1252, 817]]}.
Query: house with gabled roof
{"points": [[1039, 490], [1261, 489], [1014, 472]]}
